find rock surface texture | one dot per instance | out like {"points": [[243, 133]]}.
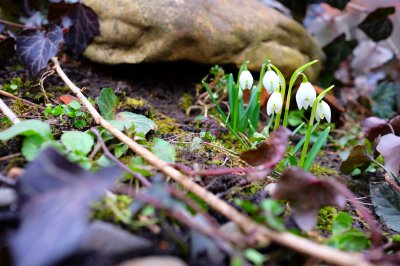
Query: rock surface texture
{"points": [[203, 31]]}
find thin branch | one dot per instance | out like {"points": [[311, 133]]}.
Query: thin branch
{"points": [[8, 112], [9, 95], [262, 233], [110, 156]]}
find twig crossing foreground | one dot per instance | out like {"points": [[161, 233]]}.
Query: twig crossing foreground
{"points": [[263, 234]]}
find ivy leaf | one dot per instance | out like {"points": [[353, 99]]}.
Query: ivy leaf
{"points": [[35, 48], [384, 99], [358, 158], [306, 195], [164, 150], [386, 201], [27, 128], [85, 25], [141, 123], [54, 218], [377, 25], [389, 147], [107, 102], [269, 151], [77, 141], [7, 50]]}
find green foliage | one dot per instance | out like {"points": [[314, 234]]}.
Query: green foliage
{"points": [[164, 150], [273, 211], [345, 237], [72, 111], [107, 102], [15, 84], [35, 132], [254, 256], [384, 99], [386, 201]]}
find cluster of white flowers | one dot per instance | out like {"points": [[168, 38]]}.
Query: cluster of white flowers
{"points": [[305, 95]]}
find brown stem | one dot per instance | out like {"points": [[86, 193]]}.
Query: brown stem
{"points": [[263, 234], [392, 182]]}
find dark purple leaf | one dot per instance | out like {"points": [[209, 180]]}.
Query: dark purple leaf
{"points": [[358, 158], [53, 222], [339, 4], [59, 10], [374, 127], [7, 50], [270, 151], [389, 148], [36, 48], [306, 195], [1, 27], [377, 25], [85, 25]]}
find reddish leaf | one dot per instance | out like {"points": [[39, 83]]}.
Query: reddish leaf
{"points": [[269, 151], [389, 147], [54, 213], [85, 25], [374, 126], [67, 98], [306, 195], [358, 158], [36, 48]]}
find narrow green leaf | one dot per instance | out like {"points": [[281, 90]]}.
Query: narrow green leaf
{"points": [[316, 148], [300, 143], [298, 71], [221, 113]]}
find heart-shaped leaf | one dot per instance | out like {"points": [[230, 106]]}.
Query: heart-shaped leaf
{"points": [[377, 24], [389, 147], [107, 102], [36, 48]]}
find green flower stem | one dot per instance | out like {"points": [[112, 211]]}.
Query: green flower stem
{"points": [[291, 84], [310, 125], [238, 97], [283, 93]]}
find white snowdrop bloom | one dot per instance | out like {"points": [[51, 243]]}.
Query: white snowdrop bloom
{"points": [[275, 103], [305, 95], [323, 111], [271, 81], [246, 80]]}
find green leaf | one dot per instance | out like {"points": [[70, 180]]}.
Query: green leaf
{"points": [[298, 71], [352, 240], [77, 141], [358, 158], [164, 150], [31, 147], [141, 123], [316, 148], [384, 99], [27, 128], [120, 149], [342, 223], [107, 102], [75, 105], [254, 256], [387, 204]]}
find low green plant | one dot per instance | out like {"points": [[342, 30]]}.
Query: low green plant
{"points": [[74, 111]]}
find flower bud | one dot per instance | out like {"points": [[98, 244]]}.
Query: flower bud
{"points": [[271, 81], [246, 80], [275, 103]]}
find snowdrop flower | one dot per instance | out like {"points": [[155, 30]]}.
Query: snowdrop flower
{"points": [[323, 111], [246, 80], [271, 81], [275, 103], [305, 95]]}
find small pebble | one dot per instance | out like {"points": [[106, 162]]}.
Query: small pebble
{"points": [[8, 196]]}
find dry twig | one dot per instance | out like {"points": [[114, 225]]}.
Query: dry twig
{"points": [[262, 233]]}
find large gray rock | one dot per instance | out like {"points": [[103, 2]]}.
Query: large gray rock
{"points": [[204, 31]]}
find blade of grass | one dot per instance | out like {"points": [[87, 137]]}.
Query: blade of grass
{"points": [[316, 148]]}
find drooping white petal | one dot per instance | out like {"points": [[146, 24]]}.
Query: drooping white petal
{"points": [[246, 80], [275, 103], [323, 111], [271, 81], [305, 95]]}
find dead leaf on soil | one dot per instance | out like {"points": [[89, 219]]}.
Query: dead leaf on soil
{"points": [[306, 195], [269, 151], [358, 158]]}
